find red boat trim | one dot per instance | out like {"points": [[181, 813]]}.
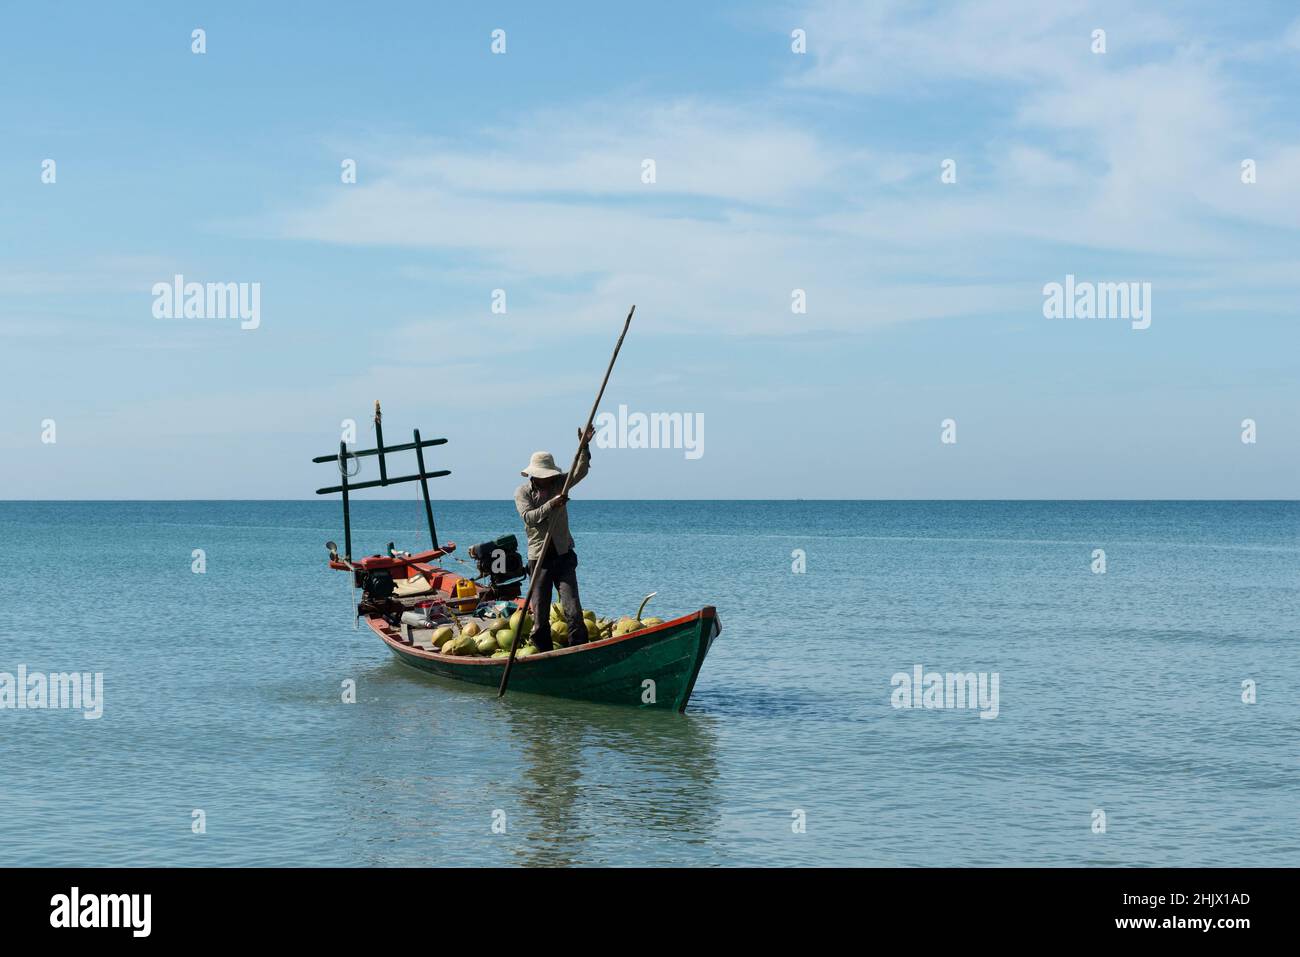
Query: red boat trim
{"points": [[387, 561]]}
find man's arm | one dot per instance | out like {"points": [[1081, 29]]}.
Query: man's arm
{"points": [[584, 458], [584, 466], [530, 515]]}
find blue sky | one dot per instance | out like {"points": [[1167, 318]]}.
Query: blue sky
{"points": [[775, 171]]}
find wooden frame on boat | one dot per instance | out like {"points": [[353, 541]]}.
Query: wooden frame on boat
{"points": [[421, 476]]}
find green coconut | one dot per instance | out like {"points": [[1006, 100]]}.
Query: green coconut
{"points": [[464, 645], [442, 635], [525, 618], [501, 653], [505, 638], [487, 644], [525, 651], [471, 629]]}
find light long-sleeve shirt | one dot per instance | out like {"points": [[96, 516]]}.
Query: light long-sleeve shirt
{"points": [[540, 514]]}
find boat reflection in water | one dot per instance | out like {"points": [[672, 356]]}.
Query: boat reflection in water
{"points": [[420, 779], [603, 785]]}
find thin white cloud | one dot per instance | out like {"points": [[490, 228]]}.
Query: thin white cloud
{"points": [[899, 46], [1133, 157], [598, 148]]}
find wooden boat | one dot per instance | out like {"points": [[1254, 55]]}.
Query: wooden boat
{"points": [[404, 596]]}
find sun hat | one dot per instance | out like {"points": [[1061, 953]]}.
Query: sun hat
{"points": [[541, 465]]}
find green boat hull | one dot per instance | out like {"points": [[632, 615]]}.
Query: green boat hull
{"points": [[653, 668]]}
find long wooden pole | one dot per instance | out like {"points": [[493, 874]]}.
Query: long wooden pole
{"points": [[568, 480]]}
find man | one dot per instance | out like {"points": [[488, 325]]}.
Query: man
{"points": [[542, 508]]}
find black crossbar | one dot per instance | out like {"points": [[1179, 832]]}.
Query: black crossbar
{"points": [[404, 447], [353, 486]]}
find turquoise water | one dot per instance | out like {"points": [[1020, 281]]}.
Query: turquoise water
{"points": [[1119, 691]]}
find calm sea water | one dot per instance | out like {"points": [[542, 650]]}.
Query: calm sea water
{"points": [[1120, 692]]}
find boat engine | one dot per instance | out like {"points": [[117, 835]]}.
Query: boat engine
{"points": [[500, 563], [378, 585]]}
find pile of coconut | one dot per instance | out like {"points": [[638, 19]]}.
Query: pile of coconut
{"points": [[494, 637]]}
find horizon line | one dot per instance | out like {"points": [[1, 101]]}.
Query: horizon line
{"points": [[323, 501]]}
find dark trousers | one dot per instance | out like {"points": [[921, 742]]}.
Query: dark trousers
{"points": [[561, 573]]}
